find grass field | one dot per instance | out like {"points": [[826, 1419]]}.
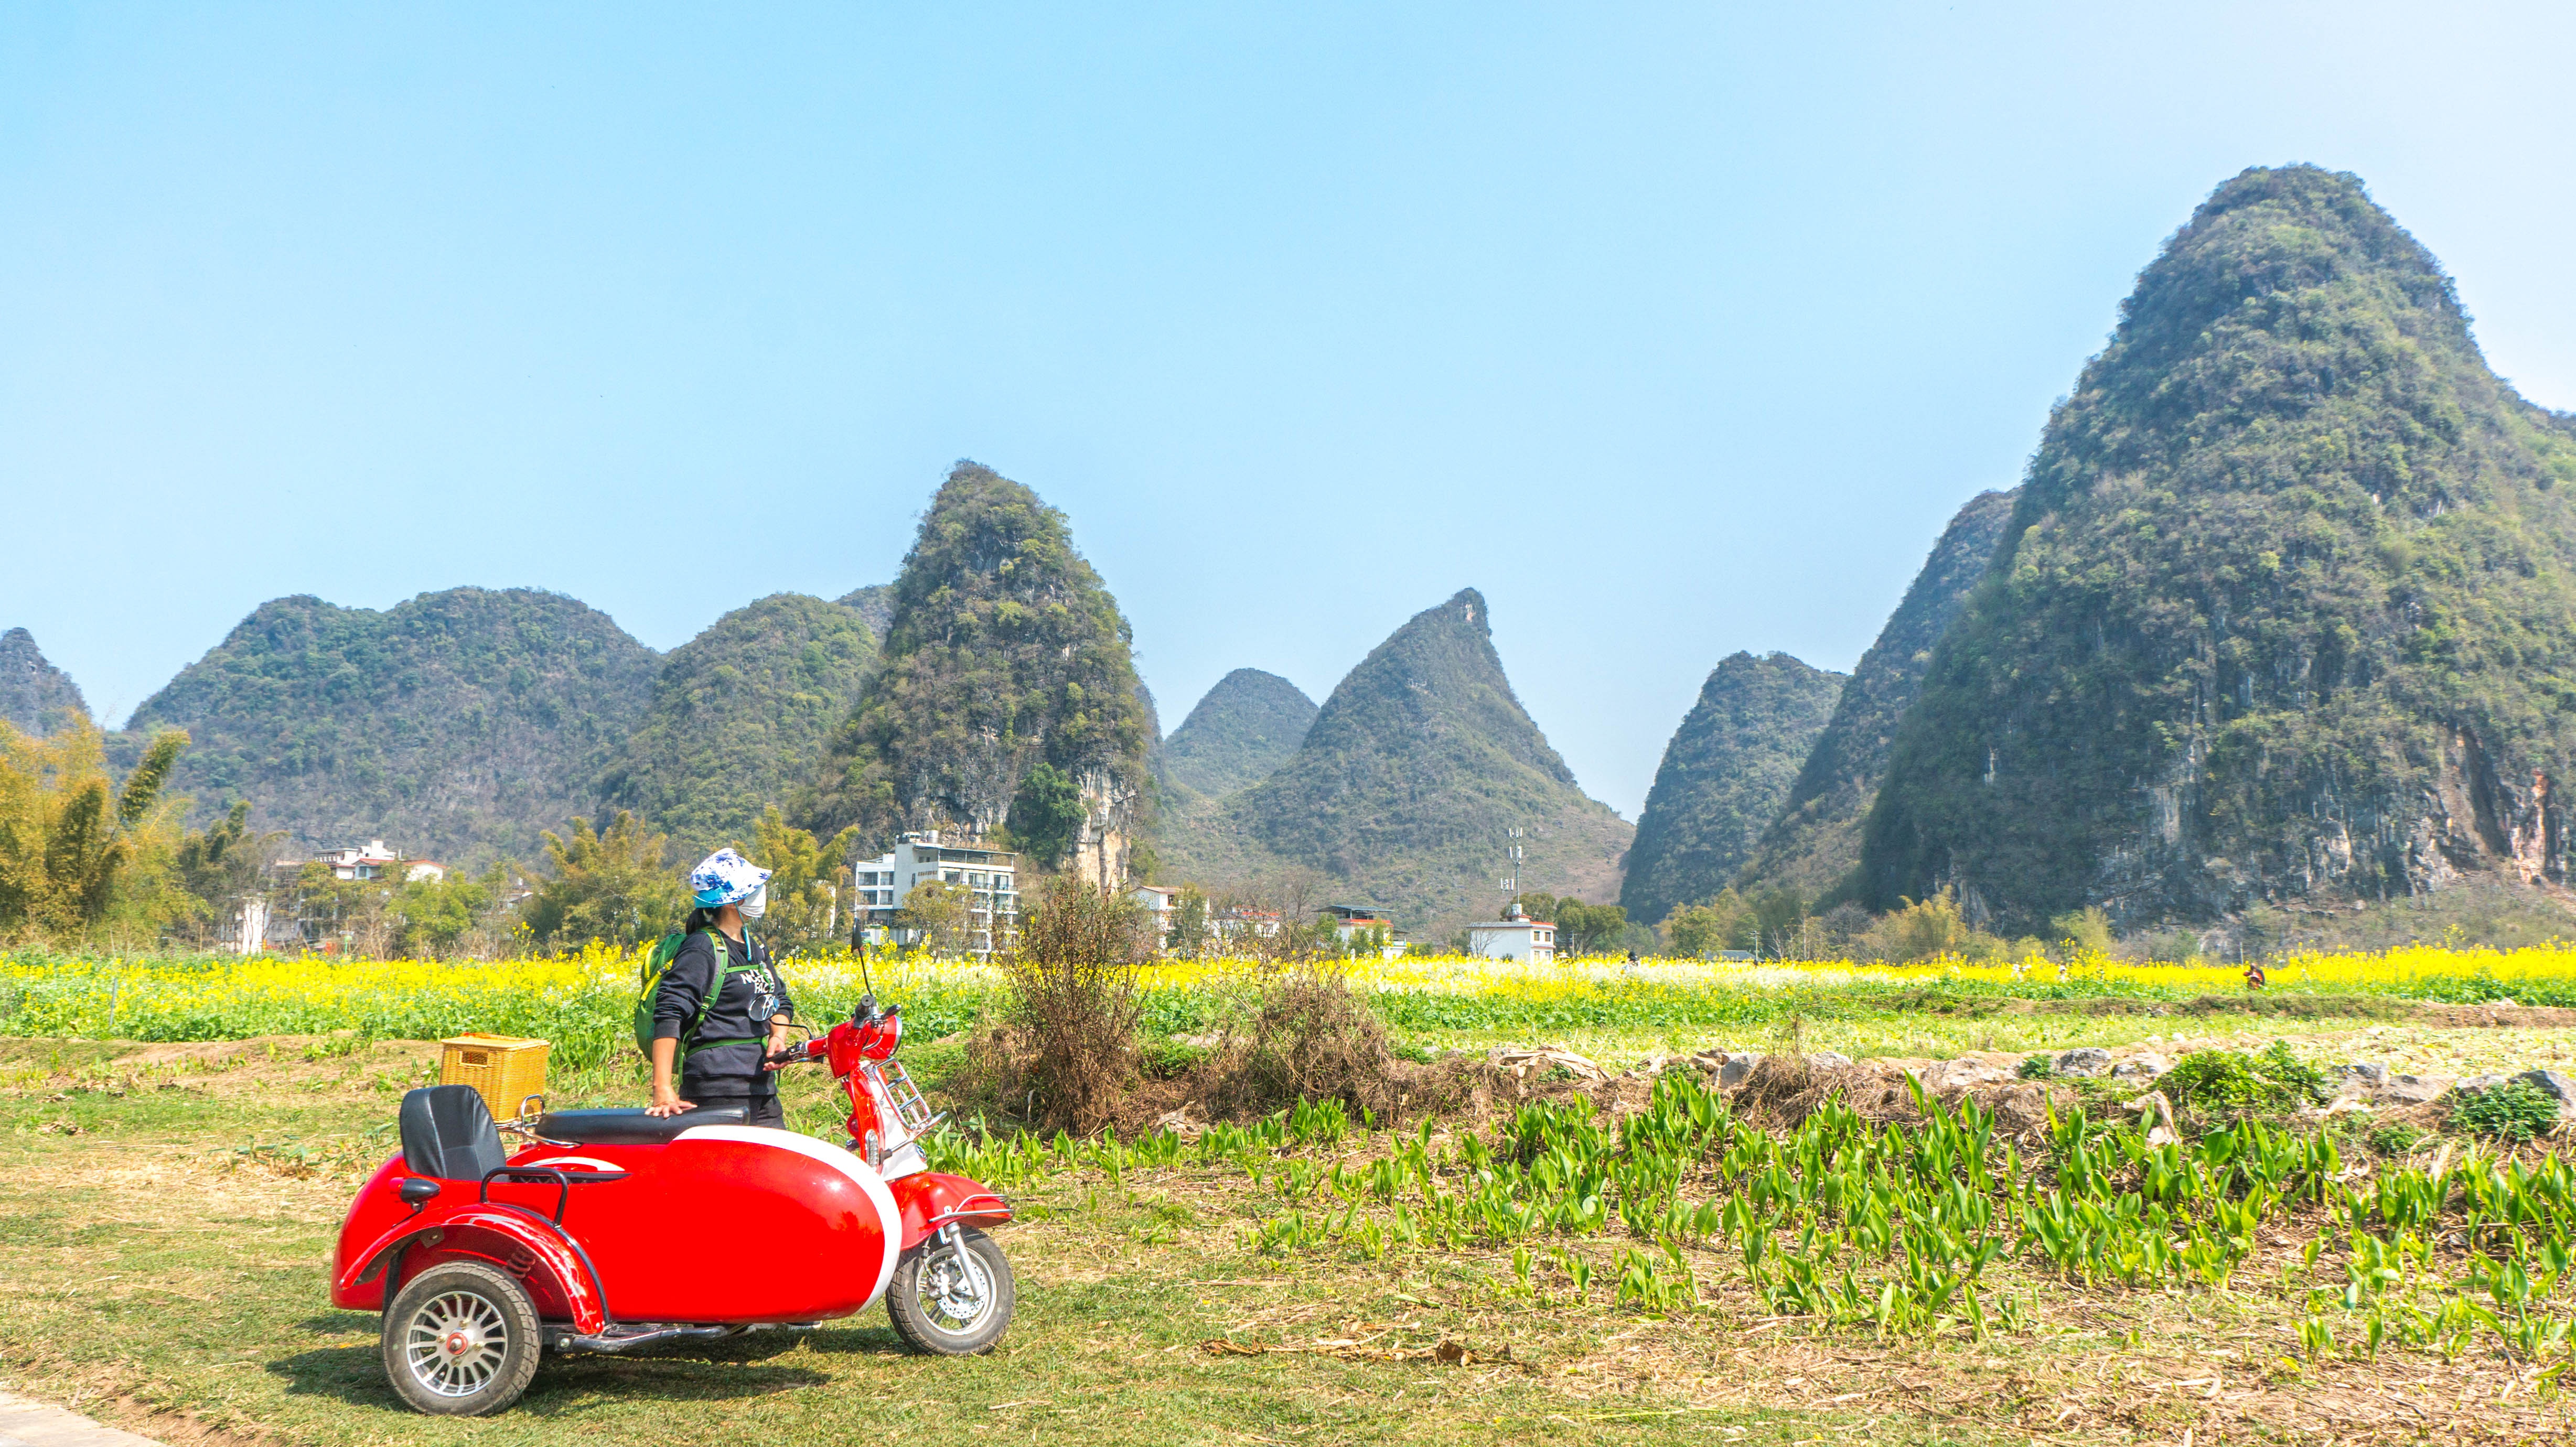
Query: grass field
{"points": [[165, 1205]]}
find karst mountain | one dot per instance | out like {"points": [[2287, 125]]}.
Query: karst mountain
{"points": [[454, 726], [1002, 653], [36, 698], [1404, 789], [1242, 730], [2286, 608], [1724, 778], [1813, 846], [739, 719]]}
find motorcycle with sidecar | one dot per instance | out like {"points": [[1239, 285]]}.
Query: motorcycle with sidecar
{"points": [[608, 1230]]}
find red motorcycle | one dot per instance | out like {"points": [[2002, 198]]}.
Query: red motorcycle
{"points": [[613, 1229]]}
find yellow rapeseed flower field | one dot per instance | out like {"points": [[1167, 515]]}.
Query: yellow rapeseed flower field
{"points": [[583, 1000]]}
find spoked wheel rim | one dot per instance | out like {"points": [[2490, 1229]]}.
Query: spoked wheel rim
{"points": [[955, 1291], [455, 1343]]}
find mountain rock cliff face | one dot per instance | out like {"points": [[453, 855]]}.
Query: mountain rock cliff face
{"points": [[739, 718], [1725, 773], [1402, 790], [36, 697], [1002, 651], [1813, 846], [1240, 733], [2284, 609], [454, 726]]}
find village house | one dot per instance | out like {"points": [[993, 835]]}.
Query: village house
{"points": [[1514, 937]]}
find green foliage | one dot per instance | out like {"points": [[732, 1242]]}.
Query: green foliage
{"points": [[2036, 1067], [1047, 814], [2229, 1081], [1589, 929], [613, 885], [218, 867], [1238, 735], [739, 718], [1191, 931], [2517, 1110], [2288, 585], [1696, 931], [73, 849], [455, 725], [2080, 932], [1401, 789], [36, 698], [1814, 843], [806, 911], [1005, 651], [1724, 778]]}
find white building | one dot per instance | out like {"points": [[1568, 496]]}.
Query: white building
{"points": [[1161, 904], [988, 877], [1516, 938], [371, 860]]}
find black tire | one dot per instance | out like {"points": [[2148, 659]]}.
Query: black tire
{"points": [[461, 1340], [935, 1305]]}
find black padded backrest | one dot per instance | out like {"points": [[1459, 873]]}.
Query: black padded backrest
{"points": [[447, 1132]]}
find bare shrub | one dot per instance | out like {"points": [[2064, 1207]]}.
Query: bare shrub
{"points": [[1309, 1039], [1066, 1058]]}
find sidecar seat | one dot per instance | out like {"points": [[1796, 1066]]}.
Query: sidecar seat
{"points": [[447, 1132], [631, 1127]]}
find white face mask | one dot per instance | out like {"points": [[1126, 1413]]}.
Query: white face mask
{"points": [[757, 905]]}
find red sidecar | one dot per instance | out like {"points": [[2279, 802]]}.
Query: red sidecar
{"points": [[614, 1229]]}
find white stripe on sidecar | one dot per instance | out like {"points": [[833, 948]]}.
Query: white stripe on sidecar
{"points": [[888, 1216]]}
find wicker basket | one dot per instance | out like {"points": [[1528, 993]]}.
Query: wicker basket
{"points": [[503, 1069]]}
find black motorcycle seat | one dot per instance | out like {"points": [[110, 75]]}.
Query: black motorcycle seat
{"points": [[629, 1127]]}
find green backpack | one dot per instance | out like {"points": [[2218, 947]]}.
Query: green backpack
{"points": [[657, 963]]}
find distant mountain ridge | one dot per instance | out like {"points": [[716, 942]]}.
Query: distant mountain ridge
{"points": [[1404, 789], [2286, 608], [1241, 731], [35, 696], [1813, 846], [1723, 779], [456, 725]]}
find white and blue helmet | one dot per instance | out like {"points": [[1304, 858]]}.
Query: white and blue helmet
{"points": [[725, 877]]}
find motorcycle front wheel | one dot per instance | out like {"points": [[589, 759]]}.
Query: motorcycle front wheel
{"points": [[952, 1301]]}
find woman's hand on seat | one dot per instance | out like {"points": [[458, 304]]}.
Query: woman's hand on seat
{"points": [[666, 1101]]}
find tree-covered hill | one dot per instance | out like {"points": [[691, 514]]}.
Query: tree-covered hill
{"points": [[739, 718], [1813, 846], [36, 697], [1724, 775], [1403, 788], [1003, 653], [2286, 607], [455, 726], [1246, 727]]}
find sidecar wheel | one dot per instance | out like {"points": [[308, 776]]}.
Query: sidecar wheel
{"points": [[461, 1340], [952, 1301]]}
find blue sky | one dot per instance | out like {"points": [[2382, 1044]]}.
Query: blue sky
{"points": [[1676, 330]]}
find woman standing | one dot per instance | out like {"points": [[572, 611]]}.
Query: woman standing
{"points": [[722, 1009]]}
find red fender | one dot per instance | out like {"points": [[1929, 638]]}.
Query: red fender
{"points": [[930, 1200], [519, 1241]]}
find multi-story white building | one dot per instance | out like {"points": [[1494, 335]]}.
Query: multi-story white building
{"points": [[989, 878]]}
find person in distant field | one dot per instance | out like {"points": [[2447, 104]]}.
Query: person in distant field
{"points": [[2253, 974], [722, 1010]]}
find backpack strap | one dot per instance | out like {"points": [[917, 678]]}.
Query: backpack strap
{"points": [[722, 975]]}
